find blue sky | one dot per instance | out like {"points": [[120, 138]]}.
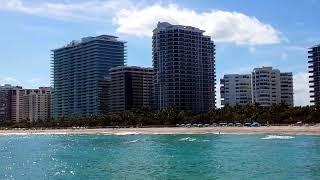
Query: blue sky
{"points": [[247, 34]]}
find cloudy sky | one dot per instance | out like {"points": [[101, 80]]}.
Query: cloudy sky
{"points": [[247, 34]]}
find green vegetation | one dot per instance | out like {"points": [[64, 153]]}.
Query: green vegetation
{"points": [[277, 114]]}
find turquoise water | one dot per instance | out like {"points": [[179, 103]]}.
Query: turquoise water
{"points": [[159, 157]]}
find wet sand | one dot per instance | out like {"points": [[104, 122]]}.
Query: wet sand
{"points": [[290, 130]]}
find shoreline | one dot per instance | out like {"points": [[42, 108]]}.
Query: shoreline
{"points": [[285, 130]]}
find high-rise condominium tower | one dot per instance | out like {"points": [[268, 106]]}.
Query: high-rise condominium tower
{"points": [[270, 86], [81, 75], [184, 67], [5, 103], [235, 89], [131, 88], [314, 56], [37, 104]]}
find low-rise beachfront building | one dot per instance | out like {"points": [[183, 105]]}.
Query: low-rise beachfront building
{"points": [[235, 89], [131, 88]]}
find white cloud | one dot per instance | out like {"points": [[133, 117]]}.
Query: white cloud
{"points": [[139, 19], [301, 89], [223, 26], [94, 10]]}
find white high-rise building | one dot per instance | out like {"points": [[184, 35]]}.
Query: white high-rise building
{"points": [[286, 88], [235, 89], [270, 86]]}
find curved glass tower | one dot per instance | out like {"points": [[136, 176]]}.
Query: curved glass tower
{"points": [[81, 75]]}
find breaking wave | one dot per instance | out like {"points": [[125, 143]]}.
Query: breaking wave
{"points": [[277, 137], [133, 141], [187, 139], [125, 133]]}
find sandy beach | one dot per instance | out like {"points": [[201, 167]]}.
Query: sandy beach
{"points": [[290, 130]]}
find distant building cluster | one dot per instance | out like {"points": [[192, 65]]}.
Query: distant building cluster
{"points": [[18, 104], [264, 86], [90, 77]]}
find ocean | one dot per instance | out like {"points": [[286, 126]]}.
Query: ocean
{"points": [[159, 157]]}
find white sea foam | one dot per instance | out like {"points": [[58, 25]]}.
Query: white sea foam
{"points": [[50, 133], [33, 133], [277, 137], [14, 134], [125, 133], [188, 139], [205, 140], [133, 141]]}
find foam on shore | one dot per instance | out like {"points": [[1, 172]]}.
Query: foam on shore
{"points": [[125, 133]]}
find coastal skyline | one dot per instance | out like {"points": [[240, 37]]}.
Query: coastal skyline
{"points": [[246, 35]]}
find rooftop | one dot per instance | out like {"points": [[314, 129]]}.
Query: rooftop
{"points": [[130, 68], [318, 45], [90, 38], [166, 25]]}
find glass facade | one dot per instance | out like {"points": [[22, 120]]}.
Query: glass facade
{"points": [[314, 70], [81, 73]]}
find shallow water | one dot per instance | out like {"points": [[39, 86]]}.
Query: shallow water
{"points": [[159, 157]]}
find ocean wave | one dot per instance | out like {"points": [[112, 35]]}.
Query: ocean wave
{"points": [[188, 139], [50, 133], [133, 141], [277, 137], [14, 134], [125, 133], [33, 133]]}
